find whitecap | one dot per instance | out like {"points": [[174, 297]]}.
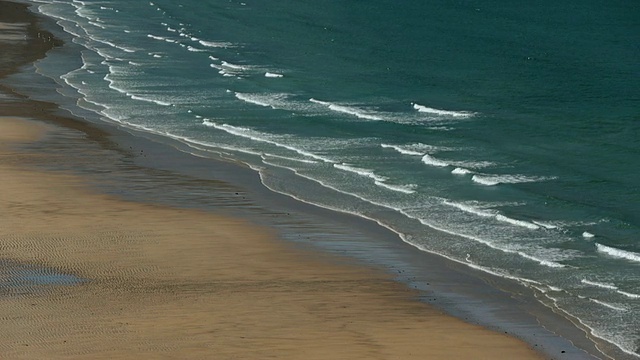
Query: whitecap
{"points": [[587, 235], [159, 102], [273, 75], [215, 44], [608, 305], [430, 160], [470, 209], [403, 150], [618, 253], [359, 113], [461, 171], [491, 180], [261, 137], [407, 189], [360, 171], [517, 222], [438, 112], [608, 286]]}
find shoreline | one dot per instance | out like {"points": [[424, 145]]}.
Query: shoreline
{"points": [[122, 139]]}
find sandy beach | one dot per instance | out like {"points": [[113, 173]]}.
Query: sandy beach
{"points": [[88, 275]]}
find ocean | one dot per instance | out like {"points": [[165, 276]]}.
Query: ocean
{"points": [[502, 136]]}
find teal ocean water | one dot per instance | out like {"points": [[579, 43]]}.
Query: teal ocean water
{"points": [[503, 136]]}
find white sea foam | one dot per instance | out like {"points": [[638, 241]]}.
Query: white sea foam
{"points": [[461, 171], [544, 262], [438, 112], [618, 253], [430, 160], [629, 295], [476, 210], [607, 305], [587, 235], [262, 137], [403, 150], [290, 158], [193, 49], [599, 284], [360, 171], [216, 44], [491, 180], [273, 75], [262, 100], [140, 98], [359, 113], [407, 189], [516, 222], [155, 37], [545, 225]]}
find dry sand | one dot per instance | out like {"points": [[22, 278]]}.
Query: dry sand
{"points": [[162, 282]]}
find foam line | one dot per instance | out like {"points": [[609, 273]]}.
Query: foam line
{"points": [[618, 253]]}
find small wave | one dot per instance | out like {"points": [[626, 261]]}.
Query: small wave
{"points": [[272, 75], [461, 171], [359, 113], [522, 223], [470, 209], [629, 295], [547, 263], [360, 171], [215, 44], [618, 253], [403, 150], [155, 37], [545, 225], [229, 65], [607, 305], [261, 137], [407, 189], [262, 100], [599, 284], [492, 180], [194, 49], [425, 109], [587, 235], [430, 160], [140, 98], [289, 158]]}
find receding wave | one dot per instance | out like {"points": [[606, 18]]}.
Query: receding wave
{"points": [[618, 253], [439, 112]]}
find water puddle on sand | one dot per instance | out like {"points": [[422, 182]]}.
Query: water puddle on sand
{"points": [[21, 279]]}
